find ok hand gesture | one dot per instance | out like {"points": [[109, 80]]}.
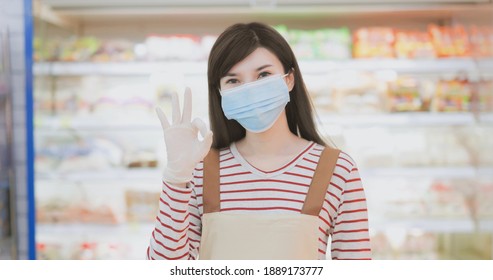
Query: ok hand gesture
{"points": [[183, 147]]}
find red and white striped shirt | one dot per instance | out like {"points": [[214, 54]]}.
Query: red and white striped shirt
{"points": [[246, 189]]}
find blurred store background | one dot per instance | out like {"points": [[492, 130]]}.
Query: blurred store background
{"points": [[405, 87]]}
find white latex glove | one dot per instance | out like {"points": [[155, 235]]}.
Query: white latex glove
{"points": [[183, 147]]}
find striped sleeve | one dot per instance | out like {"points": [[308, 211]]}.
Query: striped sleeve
{"points": [[350, 235], [177, 231]]}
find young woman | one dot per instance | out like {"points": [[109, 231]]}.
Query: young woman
{"points": [[270, 187]]}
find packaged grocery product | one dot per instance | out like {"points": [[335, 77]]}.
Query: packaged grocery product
{"points": [[452, 96], [141, 206], [450, 41], [45, 50], [356, 92], [444, 201], [481, 38], [101, 214], [485, 200], [484, 92], [79, 49], [405, 200], [441, 140], [413, 45], [86, 251], [373, 144], [112, 250], [302, 45], [51, 212], [380, 247], [124, 105], [66, 153], [374, 42], [101, 202], [141, 159], [80, 200], [485, 145], [115, 51], [321, 92], [174, 47], [474, 245], [332, 43], [48, 251], [61, 211], [420, 245], [404, 95], [327, 43], [64, 96], [53, 198]]}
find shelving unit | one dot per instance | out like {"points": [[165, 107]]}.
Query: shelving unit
{"points": [[402, 119], [7, 210], [148, 174], [78, 19], [427, 172], [117, 68], [391, 120], [436, 225], [308, 67], [152, 173]]}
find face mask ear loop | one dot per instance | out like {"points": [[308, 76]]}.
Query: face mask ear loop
{"points": [[289, 72]]}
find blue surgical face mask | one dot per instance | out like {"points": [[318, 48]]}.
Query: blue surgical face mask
{"points": [[256, 105]]}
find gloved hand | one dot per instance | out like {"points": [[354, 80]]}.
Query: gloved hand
{"points": [[184, 149]]}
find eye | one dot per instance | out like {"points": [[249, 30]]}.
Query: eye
{"points": [[263, 74], [232, 81]]}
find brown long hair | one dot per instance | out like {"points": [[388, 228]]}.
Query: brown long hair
{"points": [[232, 46]]}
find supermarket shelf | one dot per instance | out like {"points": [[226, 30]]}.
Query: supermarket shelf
{"points": [[384, 119], [428, 172], [486, 118], [400, 119], [97, 127], [92, 229], [123, 241], [485, 65], [155, 173], [485, 172], [94, 123], [433, 225], [398, 65], [430, 225], [117, 68], [113, 174], [307, 67]]}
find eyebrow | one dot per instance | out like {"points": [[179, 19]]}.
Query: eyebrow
{"points": [[258, 69]]}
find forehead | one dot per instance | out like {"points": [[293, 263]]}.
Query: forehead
{"points": [[260, 57]]}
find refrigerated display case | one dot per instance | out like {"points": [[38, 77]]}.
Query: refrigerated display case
{"points": [[7, 213], [417, 123]]}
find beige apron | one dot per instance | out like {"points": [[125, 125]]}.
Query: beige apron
{"points": [[230, 236]]}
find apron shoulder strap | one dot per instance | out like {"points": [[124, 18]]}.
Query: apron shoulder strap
{"points": [[210, 187], [320, 182]]}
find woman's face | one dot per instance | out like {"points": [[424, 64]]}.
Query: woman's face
{"points": [[259, 64]]}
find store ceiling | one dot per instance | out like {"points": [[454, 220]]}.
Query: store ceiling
{"points": [[84, 4], [78, 14], [90, 8]]}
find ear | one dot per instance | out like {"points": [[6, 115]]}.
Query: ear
{"points": [[290, 80]]}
